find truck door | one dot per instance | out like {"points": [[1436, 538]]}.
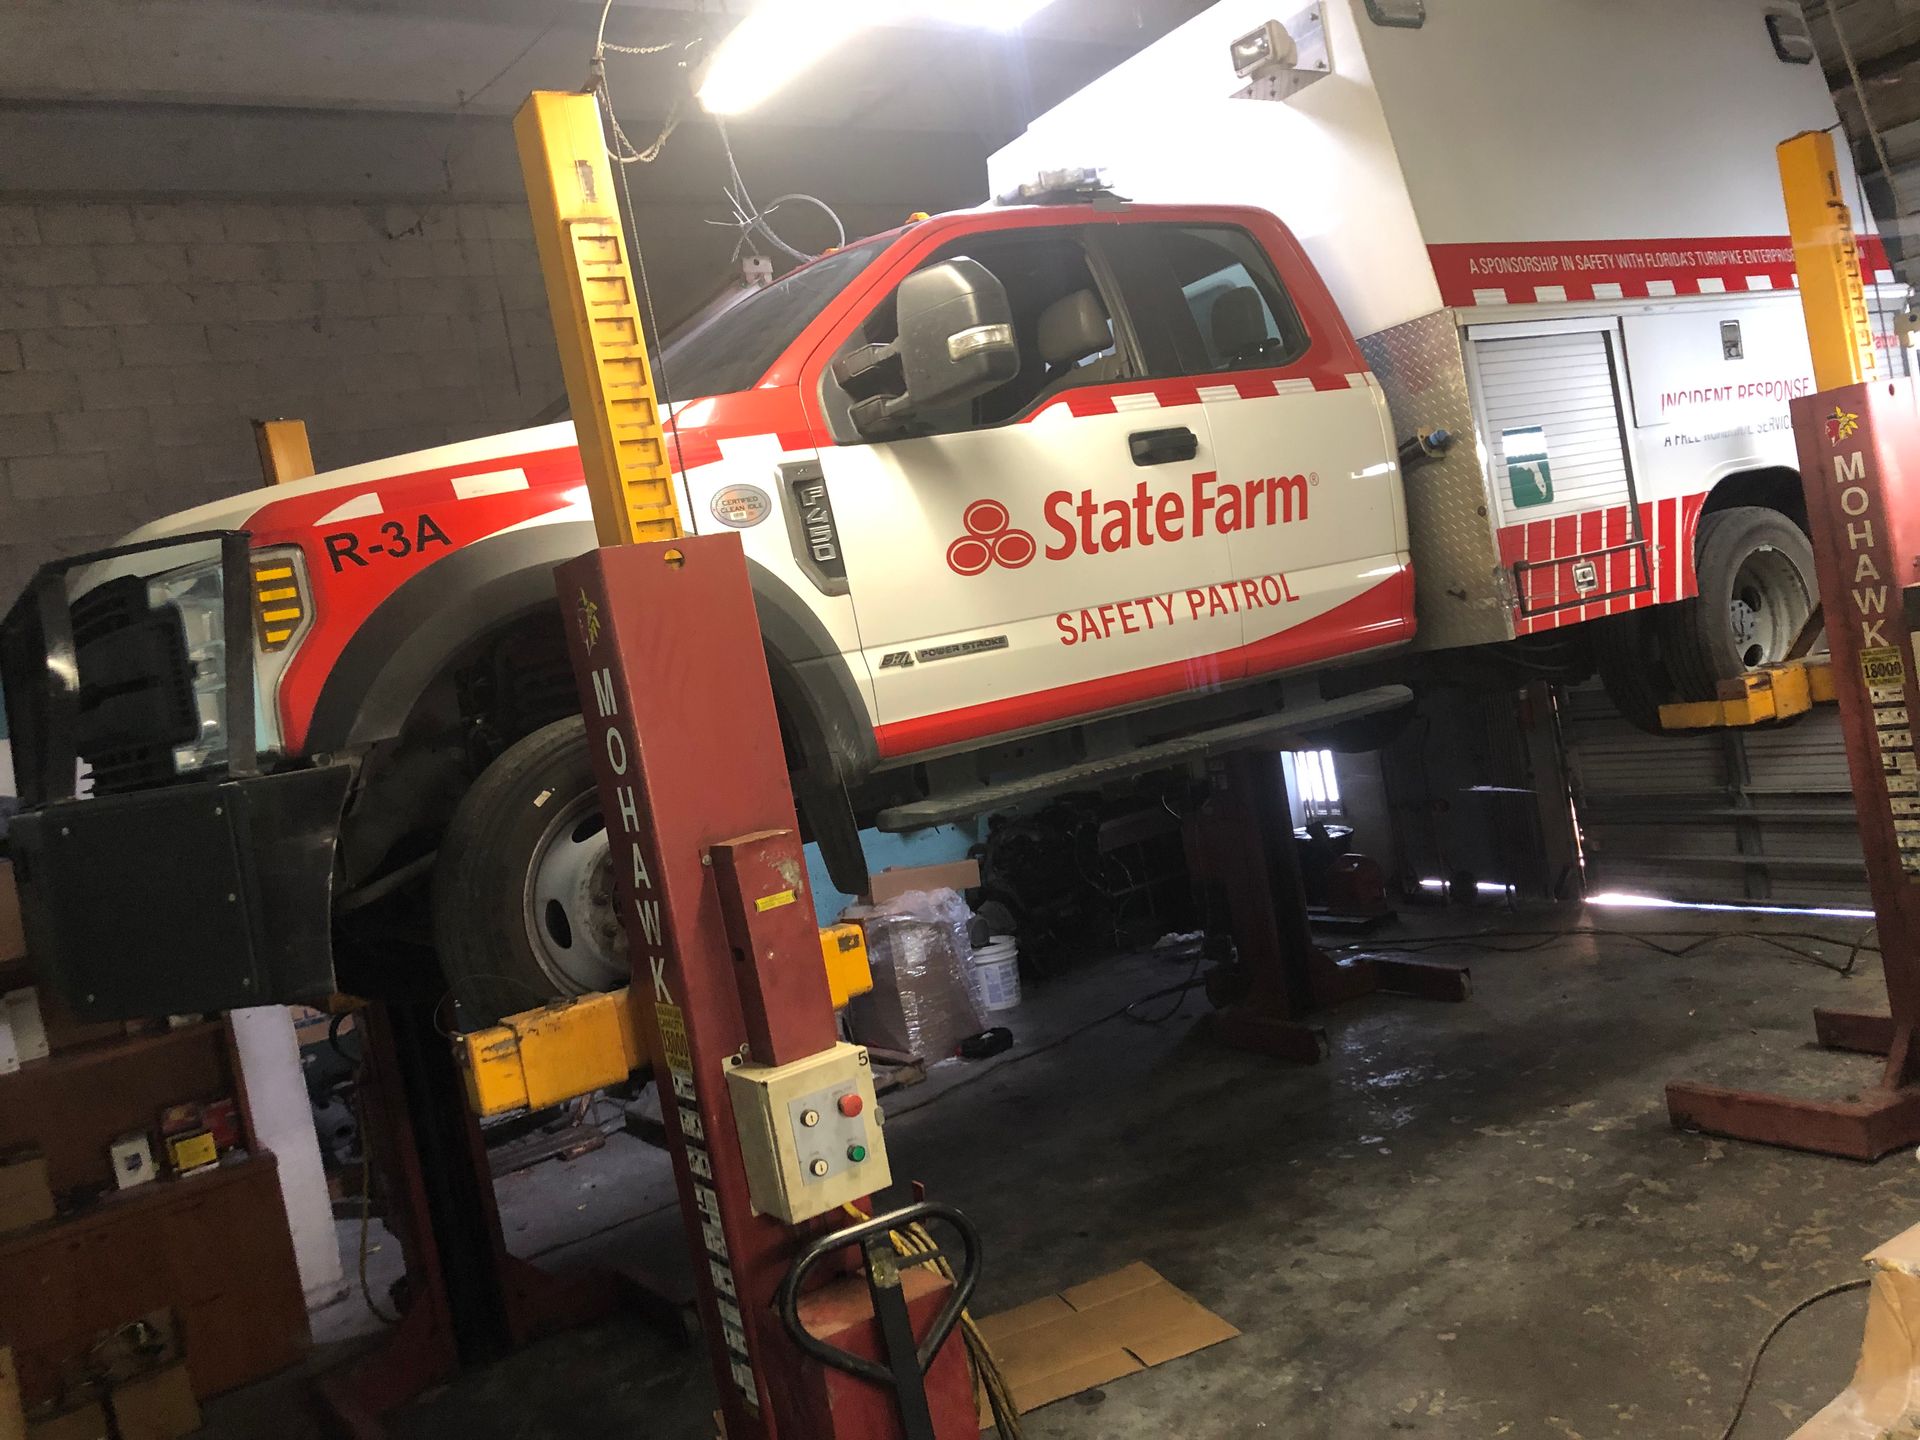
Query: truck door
{"points": [[1027, 560], [1311, 503]]}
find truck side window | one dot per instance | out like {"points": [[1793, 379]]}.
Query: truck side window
{"points": [[1209, 298], [1062, 318], [1245, 319]]}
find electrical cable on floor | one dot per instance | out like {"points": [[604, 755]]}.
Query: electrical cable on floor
{"points": [[1753, 1366], [1193, 981], [1540, 939], [366, 1192]]}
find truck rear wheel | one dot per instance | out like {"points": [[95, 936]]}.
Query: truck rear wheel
{"points": [[523, 903], [1628, 652], [1757, 587]]}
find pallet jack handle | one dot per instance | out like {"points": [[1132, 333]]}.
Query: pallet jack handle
{"points": [[908, 1359]]}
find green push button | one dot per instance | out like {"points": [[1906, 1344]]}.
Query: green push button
{"points": [[856, 1153]]}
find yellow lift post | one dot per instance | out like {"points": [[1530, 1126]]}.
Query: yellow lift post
{"points": [[572, 1047], [1833, 295]]}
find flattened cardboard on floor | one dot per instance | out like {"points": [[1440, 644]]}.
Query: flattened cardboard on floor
{"points": [[1094, 1333]]}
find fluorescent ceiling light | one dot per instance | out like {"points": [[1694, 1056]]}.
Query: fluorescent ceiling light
{"points": [[781, 39]]}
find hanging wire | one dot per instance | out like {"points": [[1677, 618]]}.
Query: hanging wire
{"points": [[623, 151], [1866, 111], [750, 220], [630, 218]]}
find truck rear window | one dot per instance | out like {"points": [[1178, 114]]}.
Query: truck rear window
{"points": [[737, 347]]}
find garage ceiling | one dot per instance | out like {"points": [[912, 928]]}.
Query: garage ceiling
{"points": [[1884, 38], [485, 55], [100, 95]]}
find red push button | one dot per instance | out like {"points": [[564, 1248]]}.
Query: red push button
{"points": [[850, 1105]]}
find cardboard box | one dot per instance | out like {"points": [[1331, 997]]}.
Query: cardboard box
{"points": [[192, 1152], [157, 1405], [13, 938], [132, 1161], [1095, 1333], [85, 1421], [22, 1009], [961, 875], [25, 1197], [222, 1117], [1885, 1390]]}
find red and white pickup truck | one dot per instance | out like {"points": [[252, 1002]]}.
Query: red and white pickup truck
{"points": [[1033, 496]]}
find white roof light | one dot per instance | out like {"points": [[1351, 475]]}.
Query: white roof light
{"points": [[781, 39]]}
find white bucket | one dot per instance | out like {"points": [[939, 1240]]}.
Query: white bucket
{"points": [[996, 974]]}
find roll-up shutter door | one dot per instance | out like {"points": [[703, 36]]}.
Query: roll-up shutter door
{"points": [[1560, 389], [1562, 481], [1736, 815]]}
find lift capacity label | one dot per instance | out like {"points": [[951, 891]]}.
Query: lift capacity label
{"points": [[1884, 668]]}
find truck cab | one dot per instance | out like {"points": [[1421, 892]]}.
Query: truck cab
{"points": [[1028, 493]]}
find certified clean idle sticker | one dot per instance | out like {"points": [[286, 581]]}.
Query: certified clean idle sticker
{"points": [[742, 506]]}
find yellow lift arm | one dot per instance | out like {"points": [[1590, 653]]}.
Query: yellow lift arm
{"points": [[573, 1047]]}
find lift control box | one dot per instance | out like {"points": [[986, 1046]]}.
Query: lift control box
{"points": [[809, 1132]]}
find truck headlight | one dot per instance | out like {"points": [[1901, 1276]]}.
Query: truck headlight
{"points": [[196, 592]]}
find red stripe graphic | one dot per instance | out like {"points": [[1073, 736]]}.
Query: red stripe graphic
{"points": [[1518, 271], [1379, 616], [1090, 400], [1657, 569]]}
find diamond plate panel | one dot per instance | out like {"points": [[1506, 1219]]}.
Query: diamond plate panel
{"points": [[1461, 592]]}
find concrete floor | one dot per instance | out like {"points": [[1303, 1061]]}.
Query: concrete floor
{"points": [[1472, 1221]]}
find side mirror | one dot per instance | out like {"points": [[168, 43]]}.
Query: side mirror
{"points": [[956, 343]]}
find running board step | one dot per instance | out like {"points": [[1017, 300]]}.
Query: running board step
{"points": [[1290, 724]]}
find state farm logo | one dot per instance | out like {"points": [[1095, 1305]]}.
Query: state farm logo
{"points": [[990, 540], [1092, 523]]}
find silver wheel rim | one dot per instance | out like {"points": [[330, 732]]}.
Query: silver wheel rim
{"points": [[572, 924], [1768, 606]]}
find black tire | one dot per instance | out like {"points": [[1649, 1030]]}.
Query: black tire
{"points": [[1757, 587], [1629, 654], [502, 952]]}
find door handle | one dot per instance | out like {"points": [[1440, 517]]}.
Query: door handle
{"points": [[1158, 447]]}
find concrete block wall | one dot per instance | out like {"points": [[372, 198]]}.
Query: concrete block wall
{"points": [[138, 340]]}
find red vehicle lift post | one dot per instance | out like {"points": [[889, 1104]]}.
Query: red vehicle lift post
{"points": [[1242, 852], [1859, 440], [771, 1120]]}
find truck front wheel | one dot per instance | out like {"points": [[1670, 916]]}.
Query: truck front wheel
{"points": [[523, 905], [1757, 587]]}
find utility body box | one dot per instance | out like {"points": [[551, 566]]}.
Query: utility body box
{"points": [[1557, 229]]}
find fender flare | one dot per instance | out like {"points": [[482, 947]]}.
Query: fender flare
{"points": [[423, 626]]}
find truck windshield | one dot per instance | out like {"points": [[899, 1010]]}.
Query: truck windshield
{"points": [[739, 345]]}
